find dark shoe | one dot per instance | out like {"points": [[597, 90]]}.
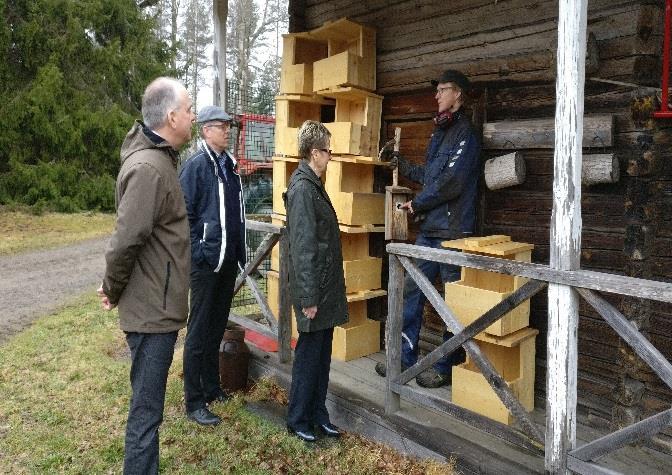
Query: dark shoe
{"points": [[330, 430], [221, 397], [433, 379], [306, 436], [381, 369], [204, 417]]}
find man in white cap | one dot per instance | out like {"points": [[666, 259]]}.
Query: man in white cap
{"points": [[213, 194]]}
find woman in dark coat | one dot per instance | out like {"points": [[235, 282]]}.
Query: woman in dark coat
{"points": [[316, 281]]}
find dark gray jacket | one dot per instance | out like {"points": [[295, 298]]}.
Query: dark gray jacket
{"points": [[148, 258], [316, 260]]}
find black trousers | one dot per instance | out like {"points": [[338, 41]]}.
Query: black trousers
{"points": [[151, 356], [211, 295], [310, 380]]}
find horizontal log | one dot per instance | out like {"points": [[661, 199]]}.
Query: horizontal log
{"points": [[540, 133], [504, 171], [599, 168], [600, 281]]}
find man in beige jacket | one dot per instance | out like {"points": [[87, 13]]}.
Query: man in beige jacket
{"points": [[148, 261]]}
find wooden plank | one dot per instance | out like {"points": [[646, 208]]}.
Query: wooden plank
{"points": [[643, 347], [263, 227], [262, 251], [252, 325], [630, 286], [614, 441], [487, 369], [563, 303], [483, 423], [284, 302], [395, 314], [495, 313], [598, 131], [587, 468], [260, 297]]}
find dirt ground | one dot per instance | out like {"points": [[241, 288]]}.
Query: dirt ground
{"points": [[38, 283]]}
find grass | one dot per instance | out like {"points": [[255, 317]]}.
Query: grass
{"points": [[20, 231], [64, 386]]}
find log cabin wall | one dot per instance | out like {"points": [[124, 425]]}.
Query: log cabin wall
{"points": [[507, 48]]}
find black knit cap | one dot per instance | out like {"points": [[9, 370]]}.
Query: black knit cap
{"points": [[454, 76]]}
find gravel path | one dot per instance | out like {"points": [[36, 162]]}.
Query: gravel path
{"points": [[36, 283]]}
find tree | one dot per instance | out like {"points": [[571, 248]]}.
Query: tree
{"points": [[196, 38], [72, 75], [247, 28]]}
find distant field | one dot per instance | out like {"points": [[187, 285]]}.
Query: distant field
{"points": [[21, 232]]}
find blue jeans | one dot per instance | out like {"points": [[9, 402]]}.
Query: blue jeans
{"points": [[414, 302], [310, 380], [151, 356]]}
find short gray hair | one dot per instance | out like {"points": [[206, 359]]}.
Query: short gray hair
{"points": [[312, 134], [161, 97]]}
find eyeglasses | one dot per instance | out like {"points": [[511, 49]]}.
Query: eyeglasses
{"points": [[222, 126], [439, 90], [327, 150]]}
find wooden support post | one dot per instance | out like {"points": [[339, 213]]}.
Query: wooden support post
{"points": [[284, 302], [565, 250], [395, 314], [220, 10]]}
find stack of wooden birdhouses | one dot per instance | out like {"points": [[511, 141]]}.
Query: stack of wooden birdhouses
{"points": [[328, 74], [507, 343]]}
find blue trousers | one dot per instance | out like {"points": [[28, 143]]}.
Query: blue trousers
{"points": [[310, 380], [211, 294], [151, 356], [414, 302]]}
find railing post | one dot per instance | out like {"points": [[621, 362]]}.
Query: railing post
{"points": [[284, 302], [395, 310], [565, 252]]}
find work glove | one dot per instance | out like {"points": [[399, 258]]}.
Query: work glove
{"points": [[392, 158]]}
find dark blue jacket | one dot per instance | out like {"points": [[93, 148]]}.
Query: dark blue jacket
{"points": [[203, 186], [446, 205]]}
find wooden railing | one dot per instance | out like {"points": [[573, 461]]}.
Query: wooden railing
{"points": [[280, 327], [585, 283]]}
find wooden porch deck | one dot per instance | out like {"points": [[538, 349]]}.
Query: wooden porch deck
{"points": [[356, 402]]}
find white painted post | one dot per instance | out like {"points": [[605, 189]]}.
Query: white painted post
{"points": [[563, 303], [220, 10]]}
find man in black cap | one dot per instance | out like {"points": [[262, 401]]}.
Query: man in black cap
{"points": [[445, 208], [213, 195]]}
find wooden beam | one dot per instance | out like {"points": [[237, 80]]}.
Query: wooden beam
{"points": [[263, 303], [393, 327], [426, 398], [262, 251], [612, 442], [642, 346], [563, 303], [220, 10], [252, 325], [587, 468], [613, 283], [600, 168], [525, 292], [284, 302], [597, 131], [491, 375], [263, 227], [504, 171]]}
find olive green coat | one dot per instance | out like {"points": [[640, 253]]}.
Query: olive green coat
{"points": [[316, 260]]}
